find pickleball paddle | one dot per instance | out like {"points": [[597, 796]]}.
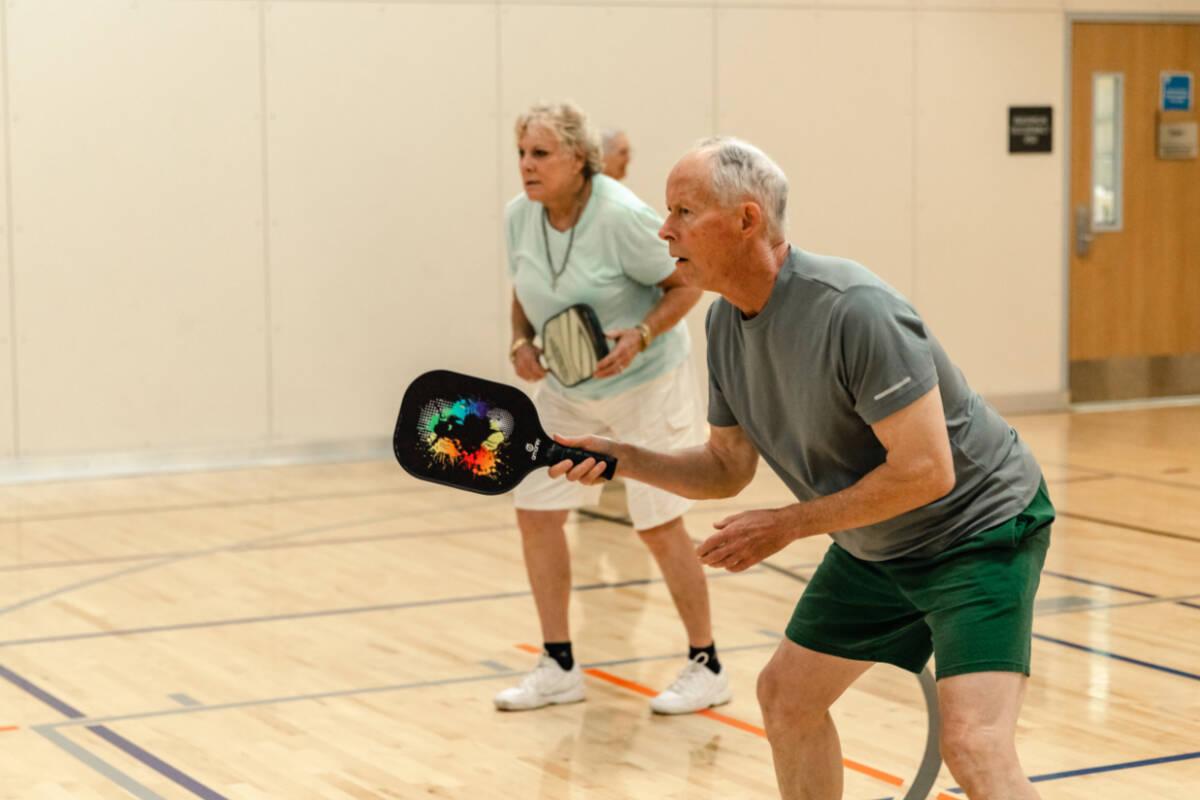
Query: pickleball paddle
{"points": [[475, 434]]}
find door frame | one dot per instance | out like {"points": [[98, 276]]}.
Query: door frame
{"points": [[1067, 221]]}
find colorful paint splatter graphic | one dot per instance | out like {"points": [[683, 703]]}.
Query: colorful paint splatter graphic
{"points": [[467, 434]]}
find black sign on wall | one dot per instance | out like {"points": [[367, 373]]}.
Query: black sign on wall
{"points": [[1030, 129]]}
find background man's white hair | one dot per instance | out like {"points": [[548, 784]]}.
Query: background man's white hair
{"points": [[607, 136], [739, 171]]}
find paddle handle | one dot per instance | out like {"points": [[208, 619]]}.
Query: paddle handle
{"points": [[558, 452]]}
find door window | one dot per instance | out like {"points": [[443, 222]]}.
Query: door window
{"points": [[1106, 150]]}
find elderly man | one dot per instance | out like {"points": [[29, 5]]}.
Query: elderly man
{"points": [[616, 153], [939, 517]]}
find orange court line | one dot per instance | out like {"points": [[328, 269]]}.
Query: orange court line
{"points": [[731, 721], [8, 728], [745, 726]]}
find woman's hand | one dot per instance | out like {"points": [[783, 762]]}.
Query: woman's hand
{"points": [[629, 344], [526, 363]]}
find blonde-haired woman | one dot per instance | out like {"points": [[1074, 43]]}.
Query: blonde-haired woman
{"points": [[577, 236]]}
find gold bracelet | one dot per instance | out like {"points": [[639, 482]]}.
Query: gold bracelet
{"points": [[644, 330], [517, 345]]}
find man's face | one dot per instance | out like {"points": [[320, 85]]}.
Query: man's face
{"points": [[616, 157], [703, 236]]}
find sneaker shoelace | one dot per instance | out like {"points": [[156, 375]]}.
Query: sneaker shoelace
{"points": [[544, 674], [692, 674]]}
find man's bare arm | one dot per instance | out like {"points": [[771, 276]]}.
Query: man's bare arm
{"points": [[721, 467], [919, 469]]}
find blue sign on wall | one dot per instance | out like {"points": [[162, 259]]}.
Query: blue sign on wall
{"points": [[1176, 91]]}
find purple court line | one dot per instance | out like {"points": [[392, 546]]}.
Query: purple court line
{"points": [[155, 763], [150, 760]]}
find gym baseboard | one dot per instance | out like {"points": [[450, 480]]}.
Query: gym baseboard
{"points": [[1033, 403], [36, 469]]}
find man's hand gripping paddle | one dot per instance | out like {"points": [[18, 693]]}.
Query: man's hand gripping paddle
{"points": [[475, 434]]}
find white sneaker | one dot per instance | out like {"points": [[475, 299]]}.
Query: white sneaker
{"points": [[696, 689], [548, 684]]}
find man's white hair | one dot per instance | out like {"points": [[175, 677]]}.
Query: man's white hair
{"points": [[740, 171], [607, 137]]}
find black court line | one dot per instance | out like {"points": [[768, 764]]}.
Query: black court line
{"points": [[113, 738], [333, 612], [1126, 526], [1106, 476], [1128, 476]]}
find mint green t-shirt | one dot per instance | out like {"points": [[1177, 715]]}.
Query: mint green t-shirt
{"points": [[615, 265]]}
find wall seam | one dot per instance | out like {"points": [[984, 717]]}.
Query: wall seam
{"points": [[914, 199], [10, 245], [265, 226], [501, 202], [715, 69]]}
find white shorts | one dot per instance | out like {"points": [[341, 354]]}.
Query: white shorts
{"points": [[664, 414]]}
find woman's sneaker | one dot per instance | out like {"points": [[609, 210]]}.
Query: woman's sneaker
{"points": [[696, 689], [548, 684]]}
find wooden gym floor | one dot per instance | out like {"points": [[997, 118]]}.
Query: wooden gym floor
{"points": [[337, 631]]}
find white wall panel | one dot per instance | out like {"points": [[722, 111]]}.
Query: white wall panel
{"points": [[989, 224], [8, 430], [828, 95], [136, 173], [382, 193], [647, 70]]}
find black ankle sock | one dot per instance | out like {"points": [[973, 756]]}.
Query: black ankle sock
{"points": [[561, 652], [711, 651]]}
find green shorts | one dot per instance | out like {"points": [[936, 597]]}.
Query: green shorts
{"points": [[971, 605]]}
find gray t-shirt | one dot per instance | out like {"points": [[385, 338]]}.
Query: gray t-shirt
{"points": [[835, 350]]}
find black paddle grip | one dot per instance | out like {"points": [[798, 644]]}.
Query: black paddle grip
{"points": [[558, 452]]}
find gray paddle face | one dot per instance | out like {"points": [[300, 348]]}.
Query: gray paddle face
{"points": [[572, 343], [468, 432]]}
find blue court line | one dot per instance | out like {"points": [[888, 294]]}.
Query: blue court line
{"points": [[150, 760], [1126, 659], [1074, 773], [1112, 586]]}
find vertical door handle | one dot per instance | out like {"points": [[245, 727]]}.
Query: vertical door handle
{"points": [[1083, 230]]}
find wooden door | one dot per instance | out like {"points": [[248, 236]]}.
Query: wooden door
{"points": [[1135, 293]]}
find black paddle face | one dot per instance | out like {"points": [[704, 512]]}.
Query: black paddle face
{"points": [[468, 432]]}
